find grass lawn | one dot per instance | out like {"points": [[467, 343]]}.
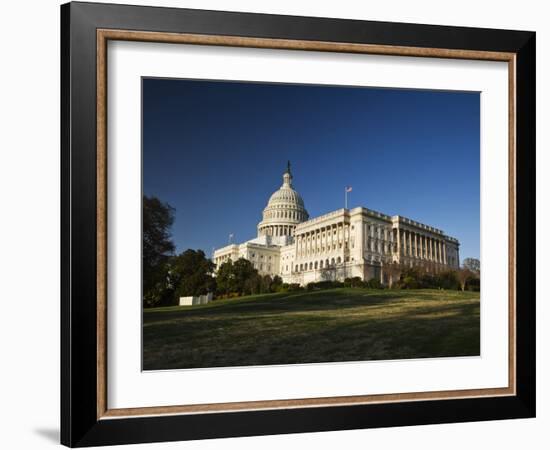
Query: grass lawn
{"points": [[310, 327]]}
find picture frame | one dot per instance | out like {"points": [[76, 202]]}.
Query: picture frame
{"points": [[86, 418]]}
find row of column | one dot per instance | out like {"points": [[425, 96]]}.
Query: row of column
{"points": [[278, 230], [316, 240], [420, 246]]}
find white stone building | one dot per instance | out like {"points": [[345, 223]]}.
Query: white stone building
{"points": [[342, 244]]}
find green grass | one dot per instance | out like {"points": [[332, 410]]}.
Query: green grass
{"points": [[311, 327]]}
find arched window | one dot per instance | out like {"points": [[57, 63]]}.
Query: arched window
{"points": [[296, 268], [321, 264], [301, 267], [339, 260], [316, 264], [326, 263], [310, 266], [332, 261]]}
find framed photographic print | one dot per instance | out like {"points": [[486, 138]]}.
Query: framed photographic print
{"points": [[276, 224]]}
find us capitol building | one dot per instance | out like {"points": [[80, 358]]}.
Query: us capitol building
{"points": [[342, 244]]}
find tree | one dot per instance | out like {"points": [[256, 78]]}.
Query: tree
{"points": [[472, 264], [328, 273], [276, 284], [265, 284], [237, 277], [447, 279], [158, 218], [242, 270], [463, 275], [225, 278], [191, 273], [393, 271]]}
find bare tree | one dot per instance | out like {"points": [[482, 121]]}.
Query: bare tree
{"points": [[463, 275], [328, 274], [392, 269], [472, 264]]}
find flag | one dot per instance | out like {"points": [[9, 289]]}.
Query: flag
{"points": [[348, 188]]}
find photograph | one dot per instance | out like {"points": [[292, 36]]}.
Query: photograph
{"points": [[299, 224]]}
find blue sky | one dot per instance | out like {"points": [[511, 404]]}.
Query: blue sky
{"points": [[216, 151]]}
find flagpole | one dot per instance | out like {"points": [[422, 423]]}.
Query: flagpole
{"points": [[346, 190], [346, 197]]}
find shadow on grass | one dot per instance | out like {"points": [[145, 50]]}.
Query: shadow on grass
{"points": [[280, 303], [300, 330]]}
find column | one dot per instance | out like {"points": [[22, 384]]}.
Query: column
{"points": [[317, 240], [426, 255], [444, 253], [410, 245], [399, 242], [416, 245]]}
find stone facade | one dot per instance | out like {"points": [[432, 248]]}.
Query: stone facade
{"points": [[342, 244]]}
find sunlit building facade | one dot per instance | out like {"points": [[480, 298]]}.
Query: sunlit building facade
{"points": [[345, 243]]}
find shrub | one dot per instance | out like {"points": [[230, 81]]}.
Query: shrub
{"points": [[284, 287], [447, 280], [409, 282], [353, 282], [292, 287], [327, 284], [473, 284], [374, 283]]}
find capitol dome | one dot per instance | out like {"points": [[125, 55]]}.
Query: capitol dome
{"points": [[285, 209]]}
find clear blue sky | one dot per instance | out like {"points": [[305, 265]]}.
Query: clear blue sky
{"points": [[216, 151]]}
